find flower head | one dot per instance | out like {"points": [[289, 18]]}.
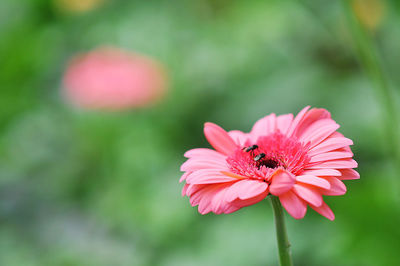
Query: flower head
{"points": [[296, 159], [109, 78]]}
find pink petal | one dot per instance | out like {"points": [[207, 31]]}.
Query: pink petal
{"points": [[295, 206], [336, 135], [219, 138], [307, 131], [322, 172], [205, 204], [184, 176], [195, 199], [324, 210], [310, 118], [194, 164], [228, 173], [206, 195], [343, 149], [245, 189], [230, 209], [198, 193], [193, 188], [337, 187], [204, 152], [184, 189], [348, 174], [297, 120], [337, 164], [319, 131], [313, 180], [247, 202], [218, 202], [281, 182], [312, 196], [283, 122], [327, 156], [330, 144], [238, 137], [264, 127], [208, 177]]}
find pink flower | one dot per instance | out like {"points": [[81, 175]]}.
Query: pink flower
{"points": [[298, 160], [113, 79]]}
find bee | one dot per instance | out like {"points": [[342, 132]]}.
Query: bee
{"points": [[259, 157], [250, 148]]}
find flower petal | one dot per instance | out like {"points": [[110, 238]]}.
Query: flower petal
{"points": [[206, 195], [194, 164], [299, 117], [322, 172], [313, 180], [203, 152], [219, 203], [193, 188], [327, 156], [330, 144], [247, 202], [248, 192], [264, 127], [310, 118], [207, 176], [219, 138], [197, 193], [324, 210], [319, 131], [312, 196], [184, 176], [348, 174], [238, 137], [283, 122], [245, 189], [230, 208], [184, 189], [295, 206], [228, 173], [337, 187], [281, 182], [336, 164]]}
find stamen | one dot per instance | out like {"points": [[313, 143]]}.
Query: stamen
{"points": [[270, 163], [259, 161]]}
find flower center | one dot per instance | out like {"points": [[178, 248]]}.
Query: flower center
{"points": [[269, 163], [261, 159]]}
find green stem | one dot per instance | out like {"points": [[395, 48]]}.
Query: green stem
{"points": [[285, 255], [371, 62]]}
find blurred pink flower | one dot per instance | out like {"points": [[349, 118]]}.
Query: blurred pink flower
{"points": [[298, 160], [113, 79]]}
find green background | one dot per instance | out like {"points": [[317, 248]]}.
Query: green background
{"points": [[99, 188]]}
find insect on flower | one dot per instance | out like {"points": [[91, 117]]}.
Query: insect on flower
{"points": [[259, 157], [250, 148], [298, 159]]}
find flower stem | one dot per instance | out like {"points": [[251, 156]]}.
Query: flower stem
{"points": [[285, 255], [371, 61]]}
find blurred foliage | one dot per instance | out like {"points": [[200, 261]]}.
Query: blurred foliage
{"points": [[96, 188]]}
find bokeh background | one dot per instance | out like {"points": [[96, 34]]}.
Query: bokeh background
{"points": [[92, 186]]}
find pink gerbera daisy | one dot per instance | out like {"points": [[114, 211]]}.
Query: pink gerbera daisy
{"points": [[109, 78], [298, 160]]}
